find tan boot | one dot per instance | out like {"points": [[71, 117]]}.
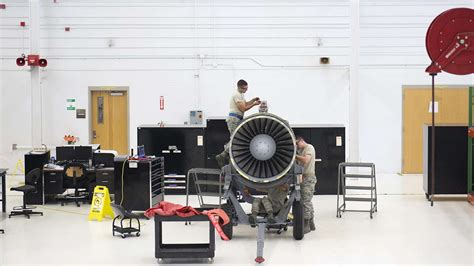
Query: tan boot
{"points": [[253, 220], [271, 219], [306, 228], [311, 224]]}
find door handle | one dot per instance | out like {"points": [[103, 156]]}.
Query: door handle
{"points": [[94, 134]]}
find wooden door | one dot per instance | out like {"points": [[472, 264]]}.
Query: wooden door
{"points": [[110, 120], [452, 109]]}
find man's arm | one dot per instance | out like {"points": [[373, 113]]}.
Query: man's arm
{"points": [[305, 159], [245, 106], [255, 99]]}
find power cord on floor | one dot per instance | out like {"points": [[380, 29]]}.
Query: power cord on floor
{"points": [[123, 171]]}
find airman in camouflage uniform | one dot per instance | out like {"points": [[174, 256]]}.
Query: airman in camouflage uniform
{"points": [[270, 204], [306, 157], [238, 106]]}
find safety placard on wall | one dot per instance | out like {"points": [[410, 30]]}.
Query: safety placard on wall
{"points": [[70, 104], [430, 108]]}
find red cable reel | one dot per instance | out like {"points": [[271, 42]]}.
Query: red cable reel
{"points": [[450, 42]]}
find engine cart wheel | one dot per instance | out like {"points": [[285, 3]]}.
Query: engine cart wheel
{"points": [[298, 220], [228, 228]]}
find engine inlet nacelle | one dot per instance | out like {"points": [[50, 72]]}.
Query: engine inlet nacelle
{"points": [[262, 150]]}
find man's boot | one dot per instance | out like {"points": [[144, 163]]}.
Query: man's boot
{"points": [[311, 224], [253, 220], [306, 228], [271, 219]]}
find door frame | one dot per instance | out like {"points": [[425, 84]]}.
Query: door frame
{"points": [[417, 87], [109, 88]]}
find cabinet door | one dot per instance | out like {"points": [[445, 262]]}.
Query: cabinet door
{"points": [[106, 178], [217, 135], [329, 144], [53, 182]]}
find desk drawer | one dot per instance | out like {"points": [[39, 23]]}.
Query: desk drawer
{"points": [[53, 183], [106, 178]]}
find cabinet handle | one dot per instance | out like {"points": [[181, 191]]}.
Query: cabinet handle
{"points": [[52, 181]]}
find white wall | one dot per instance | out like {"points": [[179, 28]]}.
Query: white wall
{"points": [[393, 54], [193, 53]]}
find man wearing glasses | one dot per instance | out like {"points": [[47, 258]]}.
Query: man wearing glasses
{"points": [[306, 156], [238, 106]]}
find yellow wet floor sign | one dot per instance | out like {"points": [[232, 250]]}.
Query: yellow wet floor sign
{"points": [[100, 206]]}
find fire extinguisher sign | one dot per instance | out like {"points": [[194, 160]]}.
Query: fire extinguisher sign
{"points": [[162, 102]]}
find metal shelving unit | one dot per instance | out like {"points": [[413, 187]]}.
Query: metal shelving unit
{"points": [[342, 188]]}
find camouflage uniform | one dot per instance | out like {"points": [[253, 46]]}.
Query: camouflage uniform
{"points": [[271, 203], [232, 123], [307, 192], [309, 181], [233, 120]]}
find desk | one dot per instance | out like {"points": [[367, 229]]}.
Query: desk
{"points": [[3, 174], [52, 180]]}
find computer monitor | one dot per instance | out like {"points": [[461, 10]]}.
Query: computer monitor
{"points": [[107, 159], [83, 153], [141, 151], [65, 153]]}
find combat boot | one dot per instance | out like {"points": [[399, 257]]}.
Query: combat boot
{"points": [[306, 228], [271, 219], [311, 224], [253, 220]]}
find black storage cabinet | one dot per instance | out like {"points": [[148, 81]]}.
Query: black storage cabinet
{"points": [[450, 159], [142, 186], [324, 139], [216, 135], [159, 141]]}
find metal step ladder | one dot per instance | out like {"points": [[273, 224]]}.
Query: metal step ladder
{"points": [[342, 188], [213, 179]]}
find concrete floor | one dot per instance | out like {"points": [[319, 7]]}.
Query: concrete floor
{"points": [[406, 230]]}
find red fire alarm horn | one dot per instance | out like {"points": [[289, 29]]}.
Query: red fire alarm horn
{"points": [[32, 60], [43, 62], [20, 61]]}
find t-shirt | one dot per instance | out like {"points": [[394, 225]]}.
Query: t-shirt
{"points": [[236, 97], [309, 169]]}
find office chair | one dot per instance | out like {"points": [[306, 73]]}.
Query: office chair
{"points": [[31, 182], [75, 176]]}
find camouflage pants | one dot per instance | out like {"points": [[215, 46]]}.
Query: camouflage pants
{"points": [[232, 123], [262, 205], [307, 191]]}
